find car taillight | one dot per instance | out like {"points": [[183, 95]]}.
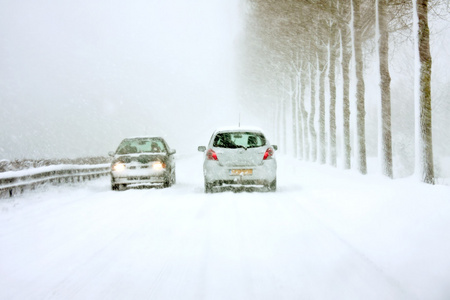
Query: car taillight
{"points": [[211, 155], [268, 153]]}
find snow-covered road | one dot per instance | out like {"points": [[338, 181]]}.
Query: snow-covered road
{"points": [[325, 234]]}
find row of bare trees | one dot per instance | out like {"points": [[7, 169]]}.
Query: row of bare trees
{"points": [[293, 48]]}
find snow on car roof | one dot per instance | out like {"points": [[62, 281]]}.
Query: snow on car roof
{"points": [[143, 137], [239, 129]]}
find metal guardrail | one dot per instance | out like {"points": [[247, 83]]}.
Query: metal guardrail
{"points": [[16, 182]]}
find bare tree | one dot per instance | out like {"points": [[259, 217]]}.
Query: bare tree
{"points": [[360, 88], [346, 54], [384, 120], [312, 112], [303, 113], [424, 167], [332, 45], [322, 66], [294, 104]]}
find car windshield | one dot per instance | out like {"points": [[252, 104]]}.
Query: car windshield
{"points": [[239, 140], [141, 145]]}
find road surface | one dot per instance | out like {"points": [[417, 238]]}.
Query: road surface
{"points": [[317, 237]]}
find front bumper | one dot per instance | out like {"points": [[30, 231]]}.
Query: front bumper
{"points": [[139, 177]]}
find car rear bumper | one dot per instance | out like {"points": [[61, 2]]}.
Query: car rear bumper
{"points": [[260, 175]]}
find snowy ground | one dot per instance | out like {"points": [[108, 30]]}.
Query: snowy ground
{"points": [[325, 234]]}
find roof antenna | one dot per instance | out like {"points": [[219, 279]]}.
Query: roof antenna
{"points": [[239, 119]]}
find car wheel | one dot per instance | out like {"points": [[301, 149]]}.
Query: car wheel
{"points": [[174, 178], [167, 182], [208, 187], [272, 186], [118, 187]]}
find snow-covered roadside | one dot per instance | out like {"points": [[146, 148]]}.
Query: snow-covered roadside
{"points": [[325, 234], [399, 225]]}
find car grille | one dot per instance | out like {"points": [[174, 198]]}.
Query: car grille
{"points": [[142, 178], [138, 167]]}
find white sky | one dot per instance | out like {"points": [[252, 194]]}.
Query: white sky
{"points": [[76, 77]]}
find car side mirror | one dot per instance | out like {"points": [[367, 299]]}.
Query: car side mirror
{"points": [[111, 153], [275, 147], [201, 148], [172, 151]]}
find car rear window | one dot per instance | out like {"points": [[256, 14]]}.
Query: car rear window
{"points": [[239, 140]]}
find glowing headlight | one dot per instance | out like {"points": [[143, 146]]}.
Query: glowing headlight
{"points": [[118, 167], [157, 165]]}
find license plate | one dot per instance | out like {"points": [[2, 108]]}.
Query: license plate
{"points": [[238, 172]]}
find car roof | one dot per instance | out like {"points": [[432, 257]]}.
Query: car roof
{"points": [[143, 137], [239, 129]]}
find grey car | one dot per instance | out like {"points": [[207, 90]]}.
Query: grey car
{"points": [[239, 156], [142, 161]]}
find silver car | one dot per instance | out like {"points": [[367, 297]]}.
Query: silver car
{"points": [[142, 161], [239, 156]]}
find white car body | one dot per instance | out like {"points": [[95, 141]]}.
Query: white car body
{"points": [[242, 163]]}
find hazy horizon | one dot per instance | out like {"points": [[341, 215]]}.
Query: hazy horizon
{"points": [[76, 78]]}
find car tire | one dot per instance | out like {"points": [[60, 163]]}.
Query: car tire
{"points": [[272, 186], [208, 187], [167, 183], [118, 187], [174, 178]]}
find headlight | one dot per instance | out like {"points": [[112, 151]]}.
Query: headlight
{"points": [[118, 167], [157, 165]]}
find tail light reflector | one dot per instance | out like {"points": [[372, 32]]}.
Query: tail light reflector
{"points": [[268, 153], [211, 155]]}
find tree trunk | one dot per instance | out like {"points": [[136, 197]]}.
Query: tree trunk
{"points": [[312, 113], [345, 66], [424, 168], [322, 141], [304, 116], [360, 106], [301, 129], [384, 120], [332, 83], [294, 103], [346, 53], [346, 56]]}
